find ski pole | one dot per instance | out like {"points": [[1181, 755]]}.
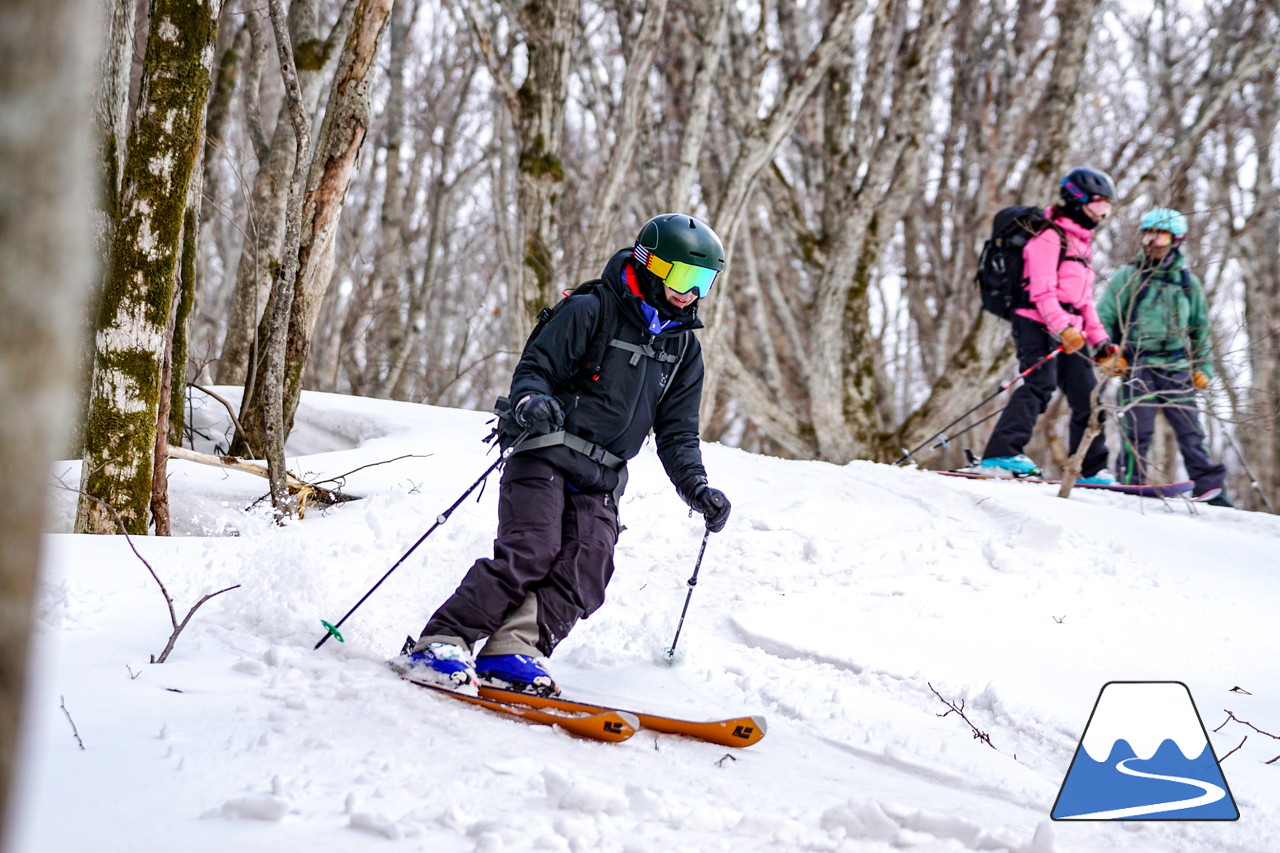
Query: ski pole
{"points": [[692, 582], [942, 433], [332, 630]]}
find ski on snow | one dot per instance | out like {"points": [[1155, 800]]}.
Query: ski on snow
{"points": [[1146, 490], [605, 725], [734, 732]]}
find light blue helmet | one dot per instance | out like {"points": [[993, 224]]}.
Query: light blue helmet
{"points": [[1166, 219]]}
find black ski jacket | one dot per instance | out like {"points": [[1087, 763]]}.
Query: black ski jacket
{"points": [[631, 395]]}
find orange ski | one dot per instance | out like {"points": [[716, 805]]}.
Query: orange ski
{"points": [[605, 725], [736, 732]]}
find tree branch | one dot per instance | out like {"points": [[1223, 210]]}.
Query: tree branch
{"points": [[958, 710]]}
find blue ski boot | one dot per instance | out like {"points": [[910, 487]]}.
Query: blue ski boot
{"points": [[521, 673], [1008, 466], [1102, 478], [439, 665]]}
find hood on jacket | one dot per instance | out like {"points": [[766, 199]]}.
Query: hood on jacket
{"points": [[651, 294]]}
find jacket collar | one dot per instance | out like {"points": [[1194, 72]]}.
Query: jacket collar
{"points": [[632, 303]]}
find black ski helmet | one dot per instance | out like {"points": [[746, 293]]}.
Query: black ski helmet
{"points": [[682, 252], [1081, 185]]}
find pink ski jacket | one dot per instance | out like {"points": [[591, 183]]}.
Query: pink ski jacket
{"points": [[1055, 288]]}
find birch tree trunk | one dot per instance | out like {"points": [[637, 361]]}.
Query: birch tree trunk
{"points": [[277, 320], [331, 166], [547, 29], [759, 140], [629, 113], [845, 354], [113, 97], [1260, 438], [137, 297], [47, 164], [264, 225]]}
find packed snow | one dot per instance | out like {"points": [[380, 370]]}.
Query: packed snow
{"points": [[847, 604]]}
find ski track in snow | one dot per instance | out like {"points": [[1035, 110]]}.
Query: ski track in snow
{"points": [[834, 599]]}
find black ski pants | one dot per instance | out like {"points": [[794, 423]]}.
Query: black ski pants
{"points": [[553, 555], [1148, 390], [1072, 374]]}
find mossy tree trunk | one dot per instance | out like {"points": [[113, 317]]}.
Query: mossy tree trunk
{"points": [[138, 293]]}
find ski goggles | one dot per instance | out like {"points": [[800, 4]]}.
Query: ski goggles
{"points": [[1099, 206], [678, 275], [1157, 238]]}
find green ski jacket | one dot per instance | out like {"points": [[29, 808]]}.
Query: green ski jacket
{"points": [[1169, 325]]}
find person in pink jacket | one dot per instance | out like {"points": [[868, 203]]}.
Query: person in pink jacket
{"points": [[1057, 264]]}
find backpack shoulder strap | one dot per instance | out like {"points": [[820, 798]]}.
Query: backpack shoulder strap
{"points": [[679, 360]]}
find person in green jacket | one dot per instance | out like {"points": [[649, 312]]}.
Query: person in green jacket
{"points": [[1155, 309]]}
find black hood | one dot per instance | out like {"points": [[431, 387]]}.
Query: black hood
{"points": [[651, 290], [1076, 214]]}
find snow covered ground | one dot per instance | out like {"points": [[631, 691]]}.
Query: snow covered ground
{"points": [[837, 600]]}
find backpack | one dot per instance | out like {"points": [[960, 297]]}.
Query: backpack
{"points": [[999, 279], [505, 428], [1184, 280]]}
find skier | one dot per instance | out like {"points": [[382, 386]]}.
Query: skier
{"points": [[557, 504], [1057, 264], [1155, 308]]}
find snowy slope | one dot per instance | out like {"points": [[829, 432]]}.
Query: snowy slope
{"points": [[836, 602]]}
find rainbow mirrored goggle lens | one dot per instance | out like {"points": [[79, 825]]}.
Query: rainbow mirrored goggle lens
{"points": [[678, 275]]}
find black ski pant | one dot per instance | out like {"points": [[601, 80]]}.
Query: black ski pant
{"points": [[552, 559], [1073, 374], [1147, 390]]}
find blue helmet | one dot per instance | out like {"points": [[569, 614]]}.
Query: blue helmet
{"points": [[1166, 219], [1080, 185]]}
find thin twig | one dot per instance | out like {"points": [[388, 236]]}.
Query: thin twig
{"points": [[341, 477], [1229, 754], [1233, 718], [230, 411], [168, 599], [173, 638], [978, 734], [74, 730]]}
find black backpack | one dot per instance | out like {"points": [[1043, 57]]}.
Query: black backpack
{"points": [[607, 323], [1000, 281]]}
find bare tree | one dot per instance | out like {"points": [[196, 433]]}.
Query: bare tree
{"points": [[46, 273], [330, 168], [546, 31], [265, 214]]}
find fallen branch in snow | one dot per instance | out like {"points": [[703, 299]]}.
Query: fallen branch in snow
{"points": [[1232, 718], [168, 599], [1233, 752], [74, 730], [342, 478], [953, 708], [304, 493]]}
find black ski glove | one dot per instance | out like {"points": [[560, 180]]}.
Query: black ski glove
{"points": [[539, 414], [711, 503]]}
